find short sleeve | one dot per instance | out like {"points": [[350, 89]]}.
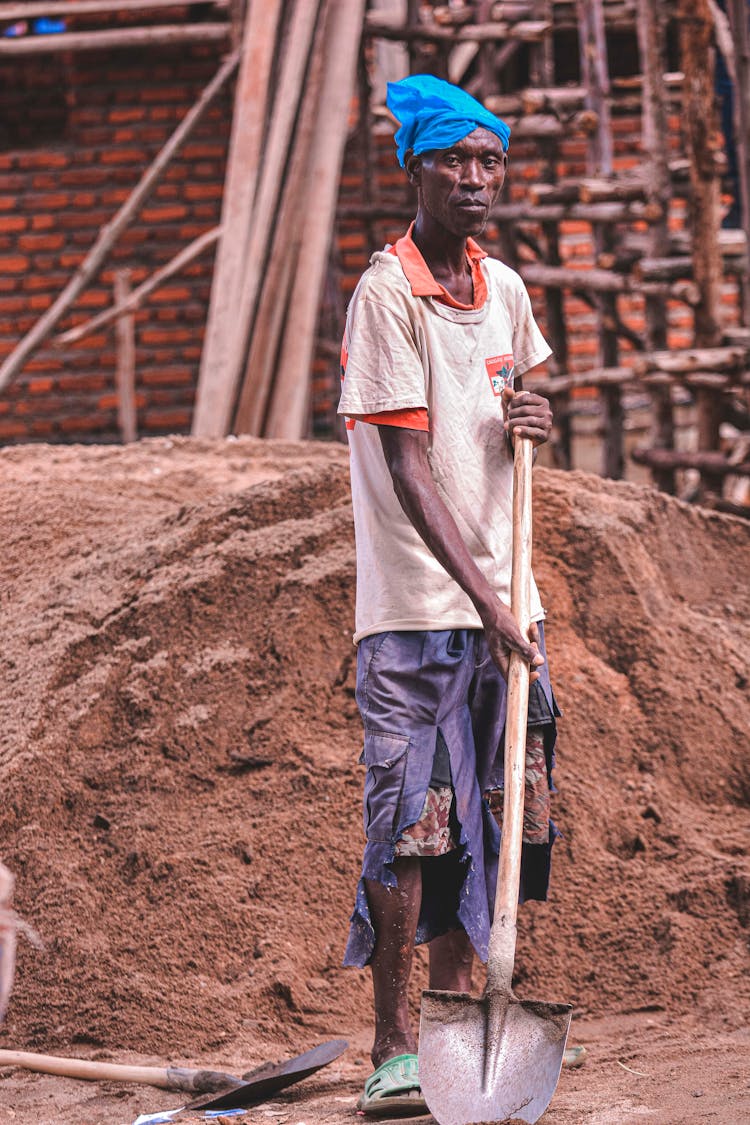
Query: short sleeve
{"points": [[529, 346], [384, 369]]}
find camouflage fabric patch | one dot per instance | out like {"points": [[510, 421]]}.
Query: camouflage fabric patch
{"points": [[431, 835], [536, 808]]}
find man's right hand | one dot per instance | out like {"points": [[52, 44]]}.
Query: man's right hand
{"points": [[504, 636]]}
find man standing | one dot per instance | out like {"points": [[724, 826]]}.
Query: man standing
{"points": [[438, 336]]}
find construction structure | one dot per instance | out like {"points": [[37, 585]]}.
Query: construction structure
{"points": [[616, 211]]}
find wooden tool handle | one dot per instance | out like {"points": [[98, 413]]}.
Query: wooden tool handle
{"points": [[167, 1078], [502, 947]]}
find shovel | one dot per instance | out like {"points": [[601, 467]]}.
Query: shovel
{"points": [[257, 1085], [498, 1058]]}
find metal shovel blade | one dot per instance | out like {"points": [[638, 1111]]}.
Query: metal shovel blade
{"points": [[481, 1061], [270, 1078]]}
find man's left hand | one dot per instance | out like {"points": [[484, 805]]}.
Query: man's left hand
{"points": [[526, 415]]}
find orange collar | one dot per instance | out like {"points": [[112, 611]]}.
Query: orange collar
{"points": [[421, 280]]}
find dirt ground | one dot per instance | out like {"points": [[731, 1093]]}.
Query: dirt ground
{"points": [[178, 749]]}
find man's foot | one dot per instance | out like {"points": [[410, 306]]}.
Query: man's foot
{"points": [[393, 1090]]}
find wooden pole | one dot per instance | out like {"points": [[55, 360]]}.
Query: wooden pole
{"points": [[30, 9], [595, 78], [260, 366], [216, 383], [699, 118], [125, 370], [112, 38], [655, 130], [109, 233], [738, 16], [288, 413], [134, 301], [264, 217]]}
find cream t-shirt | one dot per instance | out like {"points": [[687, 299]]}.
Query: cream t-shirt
{"points": [[404, 351]]}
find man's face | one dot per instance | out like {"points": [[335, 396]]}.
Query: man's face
{"points": [[458, 185]]}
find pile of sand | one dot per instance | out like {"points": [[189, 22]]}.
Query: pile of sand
{"points": [[178, 746]]}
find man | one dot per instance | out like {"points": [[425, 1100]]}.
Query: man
{"points": [[437, 338]]}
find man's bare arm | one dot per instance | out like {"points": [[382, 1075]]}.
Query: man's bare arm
{"points": [[405, 453]]}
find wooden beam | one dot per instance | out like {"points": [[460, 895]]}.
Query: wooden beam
{"points": [[216, 392], [521, 212], [109, 233], [125, 361], [738, 17], [598, 377], [135, 299], [35, 8], [713, 464], [288, 411], [383, 26], [604, 281], [694, 359], [115, 37], [273, 299]]}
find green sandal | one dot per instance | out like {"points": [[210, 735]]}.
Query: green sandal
{"points": [[393, 1090]]}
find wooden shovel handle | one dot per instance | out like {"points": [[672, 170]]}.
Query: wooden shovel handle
{"points": [[502, 946], [167, 1078]]}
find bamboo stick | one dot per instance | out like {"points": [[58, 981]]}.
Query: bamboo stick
{"points": [[114, 37], [109, 233], [125, 369], [287, 416], [216, 385], [134, 301]]}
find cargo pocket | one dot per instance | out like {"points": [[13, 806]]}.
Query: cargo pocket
{"points": [[385, 758]]}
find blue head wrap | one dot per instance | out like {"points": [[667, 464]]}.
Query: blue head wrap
{"points": [[435, 114]]}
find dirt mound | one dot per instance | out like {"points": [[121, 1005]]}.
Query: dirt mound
{"points": [[179, 744]]}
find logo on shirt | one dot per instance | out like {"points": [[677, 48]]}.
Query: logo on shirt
{"points": [[500, 372]]}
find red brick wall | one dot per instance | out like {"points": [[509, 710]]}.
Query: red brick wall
{"points": [[65, 176]]}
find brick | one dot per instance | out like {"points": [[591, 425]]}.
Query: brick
{"points": [[43, 158], [83, 424], [167, 214], [175, 419], [8, 202], [54, 201], [12, 223], [162, 94], [35, 242], [40, 301], [203, 151], [78, 383], [172, 293], [42, 222], [123, 156], [121, 113], [42, 427], [204, 191], [14, 263], [9, 428]]}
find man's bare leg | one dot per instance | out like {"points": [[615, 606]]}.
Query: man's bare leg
{"points": [[395, 913], [451, 961]]}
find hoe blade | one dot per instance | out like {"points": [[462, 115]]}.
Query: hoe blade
{"points": [[489, 1060]]}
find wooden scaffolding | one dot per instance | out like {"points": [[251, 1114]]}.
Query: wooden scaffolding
{"points": [[303, 65]]}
